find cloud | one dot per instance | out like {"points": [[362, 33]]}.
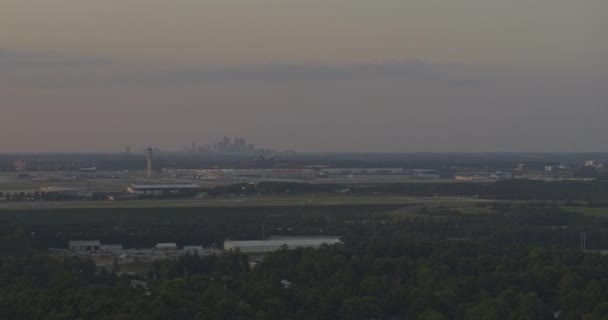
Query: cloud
{"points": [[14, 60], [32, 69], [393, 106], [284, 72], [56, 70]]}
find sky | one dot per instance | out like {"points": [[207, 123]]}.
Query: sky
{"points": [[314, 75]]}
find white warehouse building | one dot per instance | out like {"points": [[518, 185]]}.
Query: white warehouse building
{"points": [[275, 243]]}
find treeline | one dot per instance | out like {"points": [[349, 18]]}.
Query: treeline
{"points": [[403, 276], [540, 224], [44, 287], [513, 262], [514, 189], [144, 227], [508, 261]]}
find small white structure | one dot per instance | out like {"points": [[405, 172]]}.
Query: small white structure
{"points": [[139, 284], [84, 245], [273, 244], [166, 247], [286, 284]]}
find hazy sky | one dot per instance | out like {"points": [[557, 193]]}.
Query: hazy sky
{"points": [[314, 75]]}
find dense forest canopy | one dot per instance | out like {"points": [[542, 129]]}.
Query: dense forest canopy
{"points": [[517, 262]]}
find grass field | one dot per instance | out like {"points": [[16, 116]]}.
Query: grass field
{"points": [[593, 211], [254, 201]]}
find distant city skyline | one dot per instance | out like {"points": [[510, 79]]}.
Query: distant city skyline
{"points": [[225, 145], [331, 75]]}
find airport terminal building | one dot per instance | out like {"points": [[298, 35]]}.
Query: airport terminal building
{"points": [[152, 189]]}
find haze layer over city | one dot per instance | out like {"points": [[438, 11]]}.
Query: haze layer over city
{"points": [[381, 76]]}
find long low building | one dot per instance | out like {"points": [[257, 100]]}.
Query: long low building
{"points": [[66, 192], [273, 244], [93, 246], [166, 246], [84, 245], [162, 188], [111, 248], [361, 171]]}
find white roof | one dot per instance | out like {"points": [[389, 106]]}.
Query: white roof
{"points": [[84, 242], [57, 189], [272, 245], [303, 238], [166, 186], [166, 245]]}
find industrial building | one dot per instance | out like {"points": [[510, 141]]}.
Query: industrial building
{"points": [[247, 174], [166, 246], [200, 250], [93, 246], [424, 173], [593, 164], [361, 171], [193, 249], [111, 248], [260, 247], [65, 192], [151, 189], [84, 245]]}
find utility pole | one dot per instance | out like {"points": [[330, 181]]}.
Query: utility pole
{"points": [[584, 241], [374, 223]]}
